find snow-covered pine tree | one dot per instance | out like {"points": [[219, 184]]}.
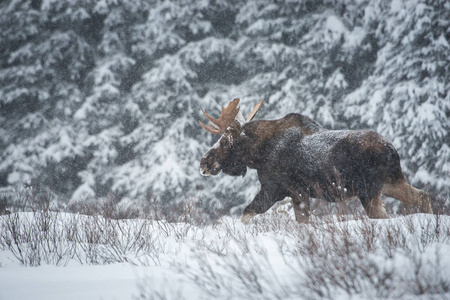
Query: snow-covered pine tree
{"points": [[43, 63], [186, 58], [107, 113], [102, 97], [406, 96]]}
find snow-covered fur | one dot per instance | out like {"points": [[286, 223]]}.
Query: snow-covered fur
{"points": [[296, 157]]}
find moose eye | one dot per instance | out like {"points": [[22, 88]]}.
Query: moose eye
{"points": [[224, 142]]}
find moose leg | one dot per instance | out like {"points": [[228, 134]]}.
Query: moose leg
{"points": [[374, 207], [264, 200], [301, 206], [408, 194]]}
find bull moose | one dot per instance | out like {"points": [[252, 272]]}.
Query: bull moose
{"points": [[296, 157]]}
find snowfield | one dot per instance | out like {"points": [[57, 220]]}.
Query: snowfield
{"points": [[48, 255]]}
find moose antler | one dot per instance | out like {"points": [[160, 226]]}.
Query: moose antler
{"points": [[227, 116], [253, 113]]}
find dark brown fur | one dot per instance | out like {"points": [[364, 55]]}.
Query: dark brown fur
{"points": [[265, 129], [295, 157]]}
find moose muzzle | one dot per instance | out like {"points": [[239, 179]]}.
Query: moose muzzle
{"points": [[209, 167]]}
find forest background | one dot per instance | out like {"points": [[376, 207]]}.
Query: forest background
{"points": [[102, 98]]}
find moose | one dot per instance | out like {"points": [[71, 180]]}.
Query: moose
{"points": [[296, 157]]}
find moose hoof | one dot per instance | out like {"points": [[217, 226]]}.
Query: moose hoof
{"points": [[378, 213], [246, 217], [426, 208], [425, 204], [302, 219]]}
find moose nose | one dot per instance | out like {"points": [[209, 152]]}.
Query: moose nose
{"points": [[204, 167], [203, 172]]}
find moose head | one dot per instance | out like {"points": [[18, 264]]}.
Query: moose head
{"points": [[221, 155]]}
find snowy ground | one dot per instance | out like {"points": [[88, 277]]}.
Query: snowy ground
{"points": [[403, 258], [116, 281]]}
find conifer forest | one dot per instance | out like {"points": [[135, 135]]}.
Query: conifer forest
{"points": [[102, 98]]}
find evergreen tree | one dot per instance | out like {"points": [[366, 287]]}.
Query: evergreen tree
{"points": [[101, 97], [406, 97], [43, 63]]}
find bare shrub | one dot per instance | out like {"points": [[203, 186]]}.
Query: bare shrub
{"points": [[35, 238], [324, 259], [56, 238], [342, 253], [370, 260]]}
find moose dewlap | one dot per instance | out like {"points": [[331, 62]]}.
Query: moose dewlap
{"points": [[296, 157]]}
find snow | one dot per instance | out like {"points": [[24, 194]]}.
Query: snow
{"points": [[355, 37], [116, 281], [229, 260], [442, 42], [396, 6], [335, 25], [111, 104]]}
